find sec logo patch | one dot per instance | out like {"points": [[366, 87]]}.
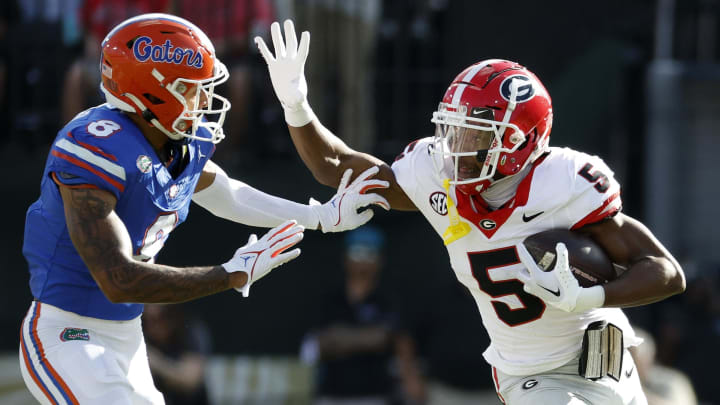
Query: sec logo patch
{"points": [[143, 163], [438, 202]]}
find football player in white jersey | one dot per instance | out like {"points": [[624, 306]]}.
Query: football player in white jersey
{"points": [[485, 181]]}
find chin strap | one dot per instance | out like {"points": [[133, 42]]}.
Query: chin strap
{"points": [[458, 228]]}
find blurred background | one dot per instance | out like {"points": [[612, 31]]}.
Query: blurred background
{"points": [[636, 82]]}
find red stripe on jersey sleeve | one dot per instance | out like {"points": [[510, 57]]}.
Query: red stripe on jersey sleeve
{"points": [[92, 148], [600, 213], [91, 169]]}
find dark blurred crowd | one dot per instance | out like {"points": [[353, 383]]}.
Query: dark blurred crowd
{"points": [[49, 53]]}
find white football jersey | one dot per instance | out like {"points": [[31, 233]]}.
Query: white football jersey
{"points": [[563, 189]]}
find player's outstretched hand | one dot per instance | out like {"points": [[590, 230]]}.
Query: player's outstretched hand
{"points": [[258, 257], [341, 212], [287, 71], [558, 287]]}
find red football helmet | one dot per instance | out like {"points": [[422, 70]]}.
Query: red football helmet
{"points": [[164, 68], [495, 118]]}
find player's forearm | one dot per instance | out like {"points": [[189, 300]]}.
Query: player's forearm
{"points": [[102, 240], [126, 280], [321, 151], [236, 201], [327, 157], [646, 281], [652, 272]]}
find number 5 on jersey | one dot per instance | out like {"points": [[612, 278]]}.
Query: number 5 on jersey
{"points": [[481, 263]]}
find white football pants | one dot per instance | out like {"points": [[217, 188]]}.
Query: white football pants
{"points": [[70, 359], [563, 386]]}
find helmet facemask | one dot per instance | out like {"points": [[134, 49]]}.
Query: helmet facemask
{"points": [[199, 100], [468, 148]]}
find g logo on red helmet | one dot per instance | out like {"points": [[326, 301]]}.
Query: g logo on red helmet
{"points": [[143, 49], [526, 90]]}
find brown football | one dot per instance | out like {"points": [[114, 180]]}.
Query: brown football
{"points": [[588, 261]]}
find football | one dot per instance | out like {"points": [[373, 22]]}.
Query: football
{"points": [[589, 263]]}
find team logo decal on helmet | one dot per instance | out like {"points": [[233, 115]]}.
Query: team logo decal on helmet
{"points": [[525, 91], [143, 49]]}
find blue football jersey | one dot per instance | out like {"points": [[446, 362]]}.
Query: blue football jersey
{"points": [[103, 148]]}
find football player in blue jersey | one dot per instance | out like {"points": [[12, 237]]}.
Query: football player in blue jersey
{"points": [[119, 178]]}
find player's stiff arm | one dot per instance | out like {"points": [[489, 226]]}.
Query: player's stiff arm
{"points": [[485, 181], [119, 179]]}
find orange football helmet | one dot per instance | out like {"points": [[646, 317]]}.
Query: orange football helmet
{"points": [[164, 68]]}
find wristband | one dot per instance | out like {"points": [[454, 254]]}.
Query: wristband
{"points": [[299, 116], [590, 298]]}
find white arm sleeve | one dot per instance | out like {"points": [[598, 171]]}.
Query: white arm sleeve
{"points": [[236, 201]]}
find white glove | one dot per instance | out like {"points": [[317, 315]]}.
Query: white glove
{"points": [[287, 72], [258, 257], [340, 213], [558, 287]]}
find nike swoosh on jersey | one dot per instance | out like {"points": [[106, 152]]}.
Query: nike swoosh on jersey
{"points": [[531, 217], [628, 373]]}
